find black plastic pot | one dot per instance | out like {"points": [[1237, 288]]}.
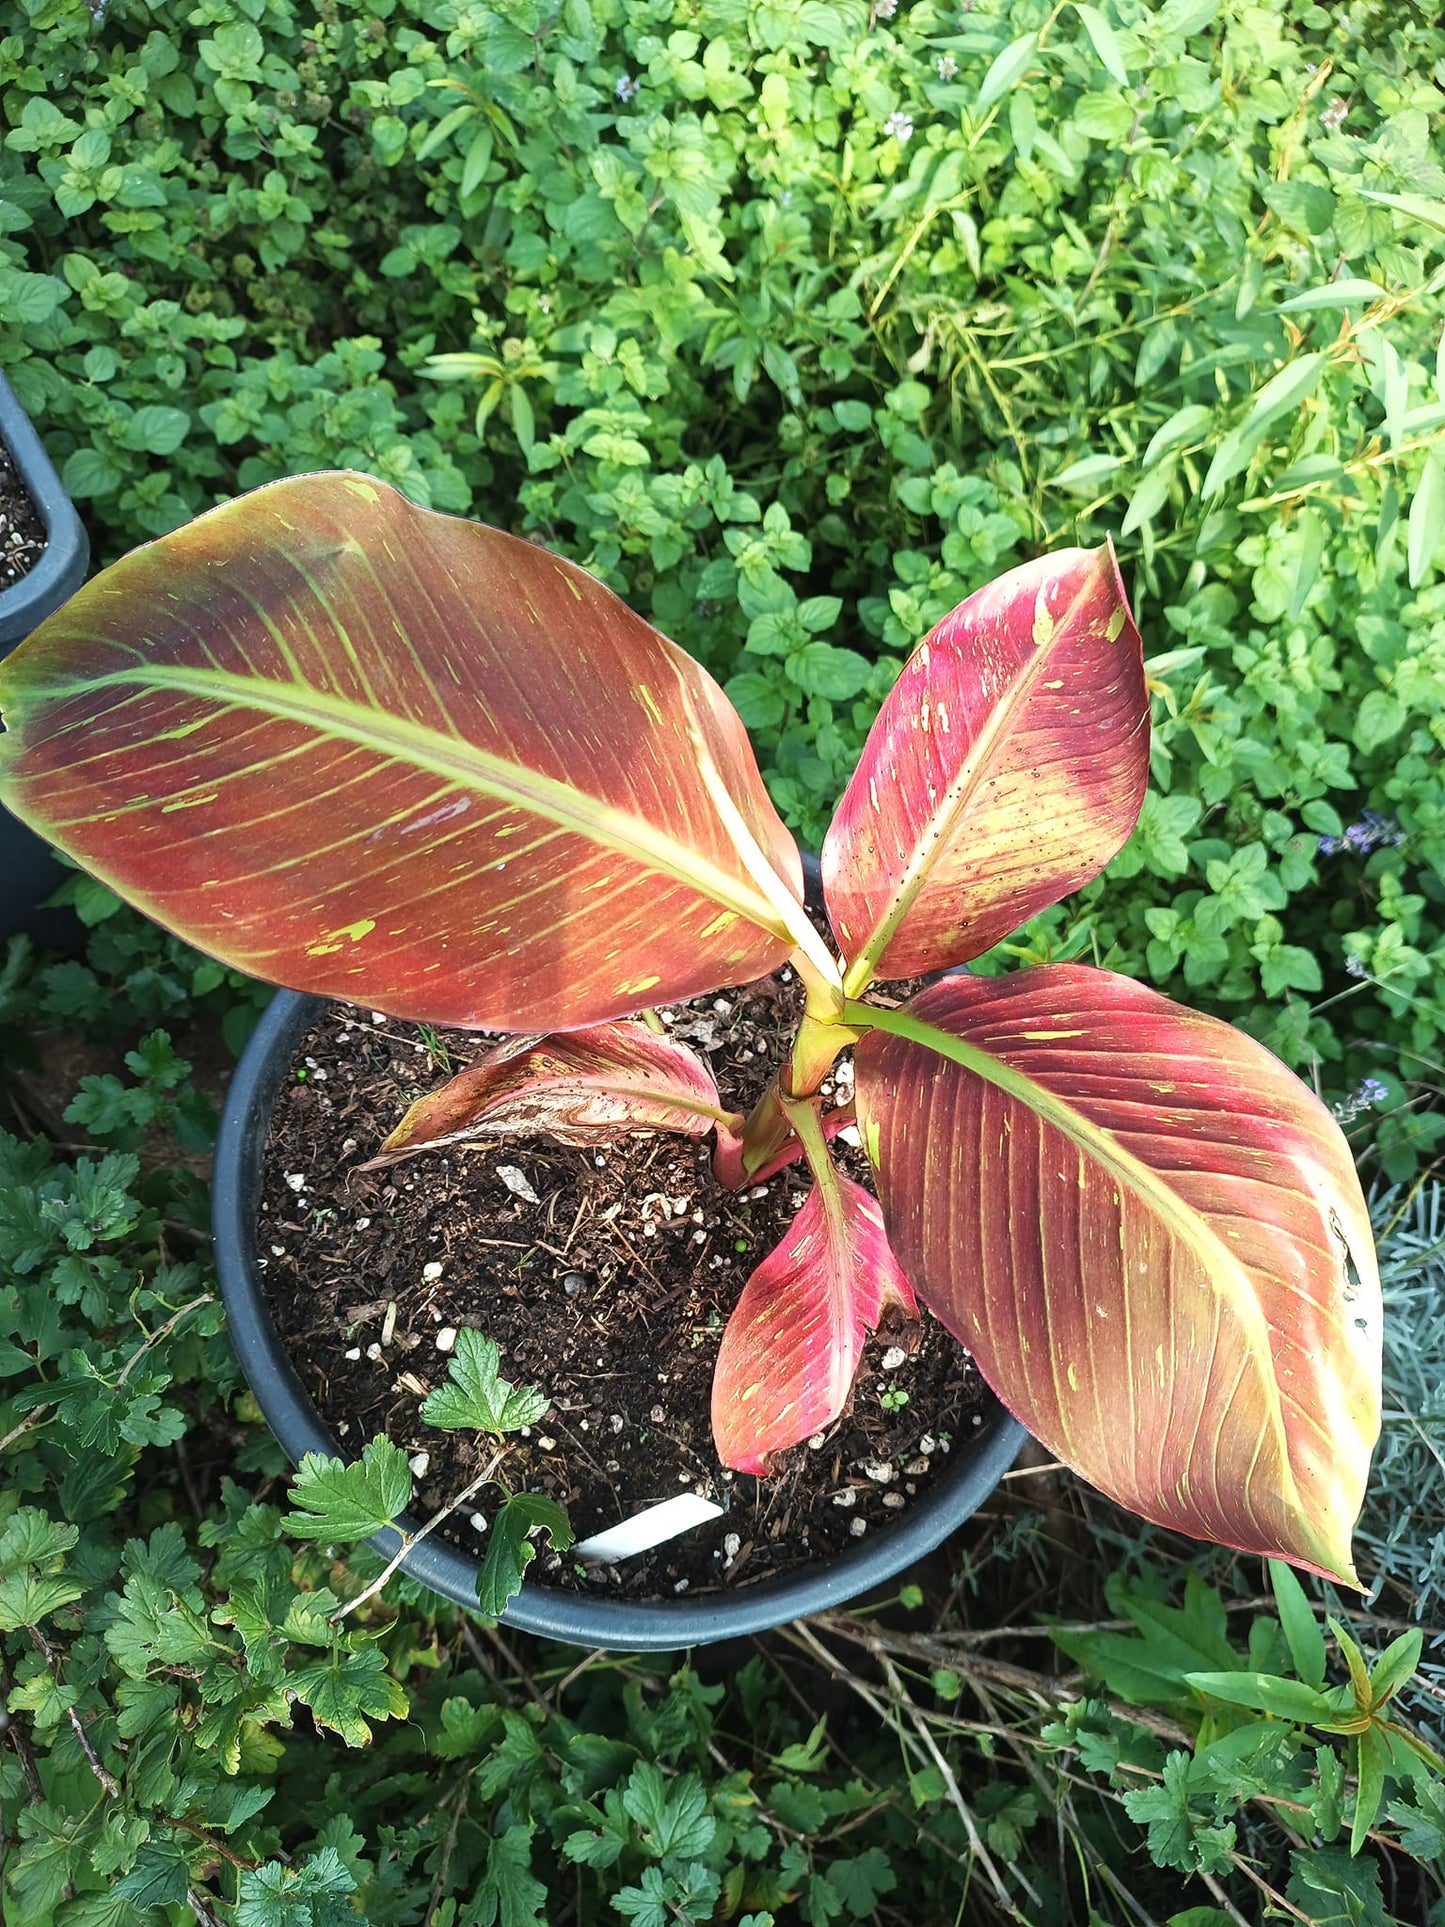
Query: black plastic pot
{"points": [[28, 870], [619, 1625]]}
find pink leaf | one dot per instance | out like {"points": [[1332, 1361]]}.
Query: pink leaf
{"points": [[1151, 1237], [1006, 767], [791, 1349], [580, 1087], [362, 749]]}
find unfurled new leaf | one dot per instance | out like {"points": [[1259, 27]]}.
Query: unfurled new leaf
{"points": [[1006, 767], [1152, 1239], [577, 1087], [363, 749], [476, 1396], [510, 1550], [790, 1351], [334, 1500]]}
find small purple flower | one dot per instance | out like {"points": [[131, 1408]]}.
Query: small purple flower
{"points": [[627, 88], [1372, 832], [1370, 1092]]}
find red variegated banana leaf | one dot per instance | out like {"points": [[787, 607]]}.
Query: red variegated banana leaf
{"points": [[791, 1349], [579, 1087], [1151, 1237], [359, 748], [1006, 767]]}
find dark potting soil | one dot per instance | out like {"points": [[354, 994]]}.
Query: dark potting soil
{"points": [[605, 1277], [22, 530]]}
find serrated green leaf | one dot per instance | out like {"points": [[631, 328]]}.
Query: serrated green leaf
{"points": [[510, 1550], [348, 1688], [509, 1895], [334, 1500], [672, 1814], [476, 1397]]}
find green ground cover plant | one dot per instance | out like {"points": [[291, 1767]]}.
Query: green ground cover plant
{"points": [[196, 1729], [765, 313]]}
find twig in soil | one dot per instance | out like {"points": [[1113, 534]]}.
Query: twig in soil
{"points": [[1064, 1809], [803, 1635], [412, 1540]]}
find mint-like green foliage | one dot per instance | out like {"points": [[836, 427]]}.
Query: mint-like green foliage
{"points": [[797, 323]]}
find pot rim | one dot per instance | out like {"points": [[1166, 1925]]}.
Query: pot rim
{"points": [[576, 1618], [61, 569]]}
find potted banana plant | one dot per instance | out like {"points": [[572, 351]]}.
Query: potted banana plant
{"points": [[379, 754], [33, 492]]}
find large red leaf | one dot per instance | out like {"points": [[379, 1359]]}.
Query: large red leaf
{"points": [[1006, 767], [359, 748], [1151, 1237], [580, 1087], [791, 1349]]}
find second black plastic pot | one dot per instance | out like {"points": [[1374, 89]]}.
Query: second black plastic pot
{"points": [[581, 1620], [28, 870]]}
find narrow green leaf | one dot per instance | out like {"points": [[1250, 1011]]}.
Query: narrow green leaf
{"points": [[1287, 1699], [1354, 1659], [1007, 69], [1282, 393], [1104, 41], [1308, 559], [1150, 496], [1429, 213], [1182, 426], [1427, 517], [448, 124], [1370, 1786], [479, 159], [1086, 474], [1394, 1667], [1301, 1629], [1337, 294], [510, 1550]]}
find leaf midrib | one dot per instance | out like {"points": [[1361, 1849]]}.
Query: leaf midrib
{"points": [[936, 834], [1225, 1270], [457, 761]]}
